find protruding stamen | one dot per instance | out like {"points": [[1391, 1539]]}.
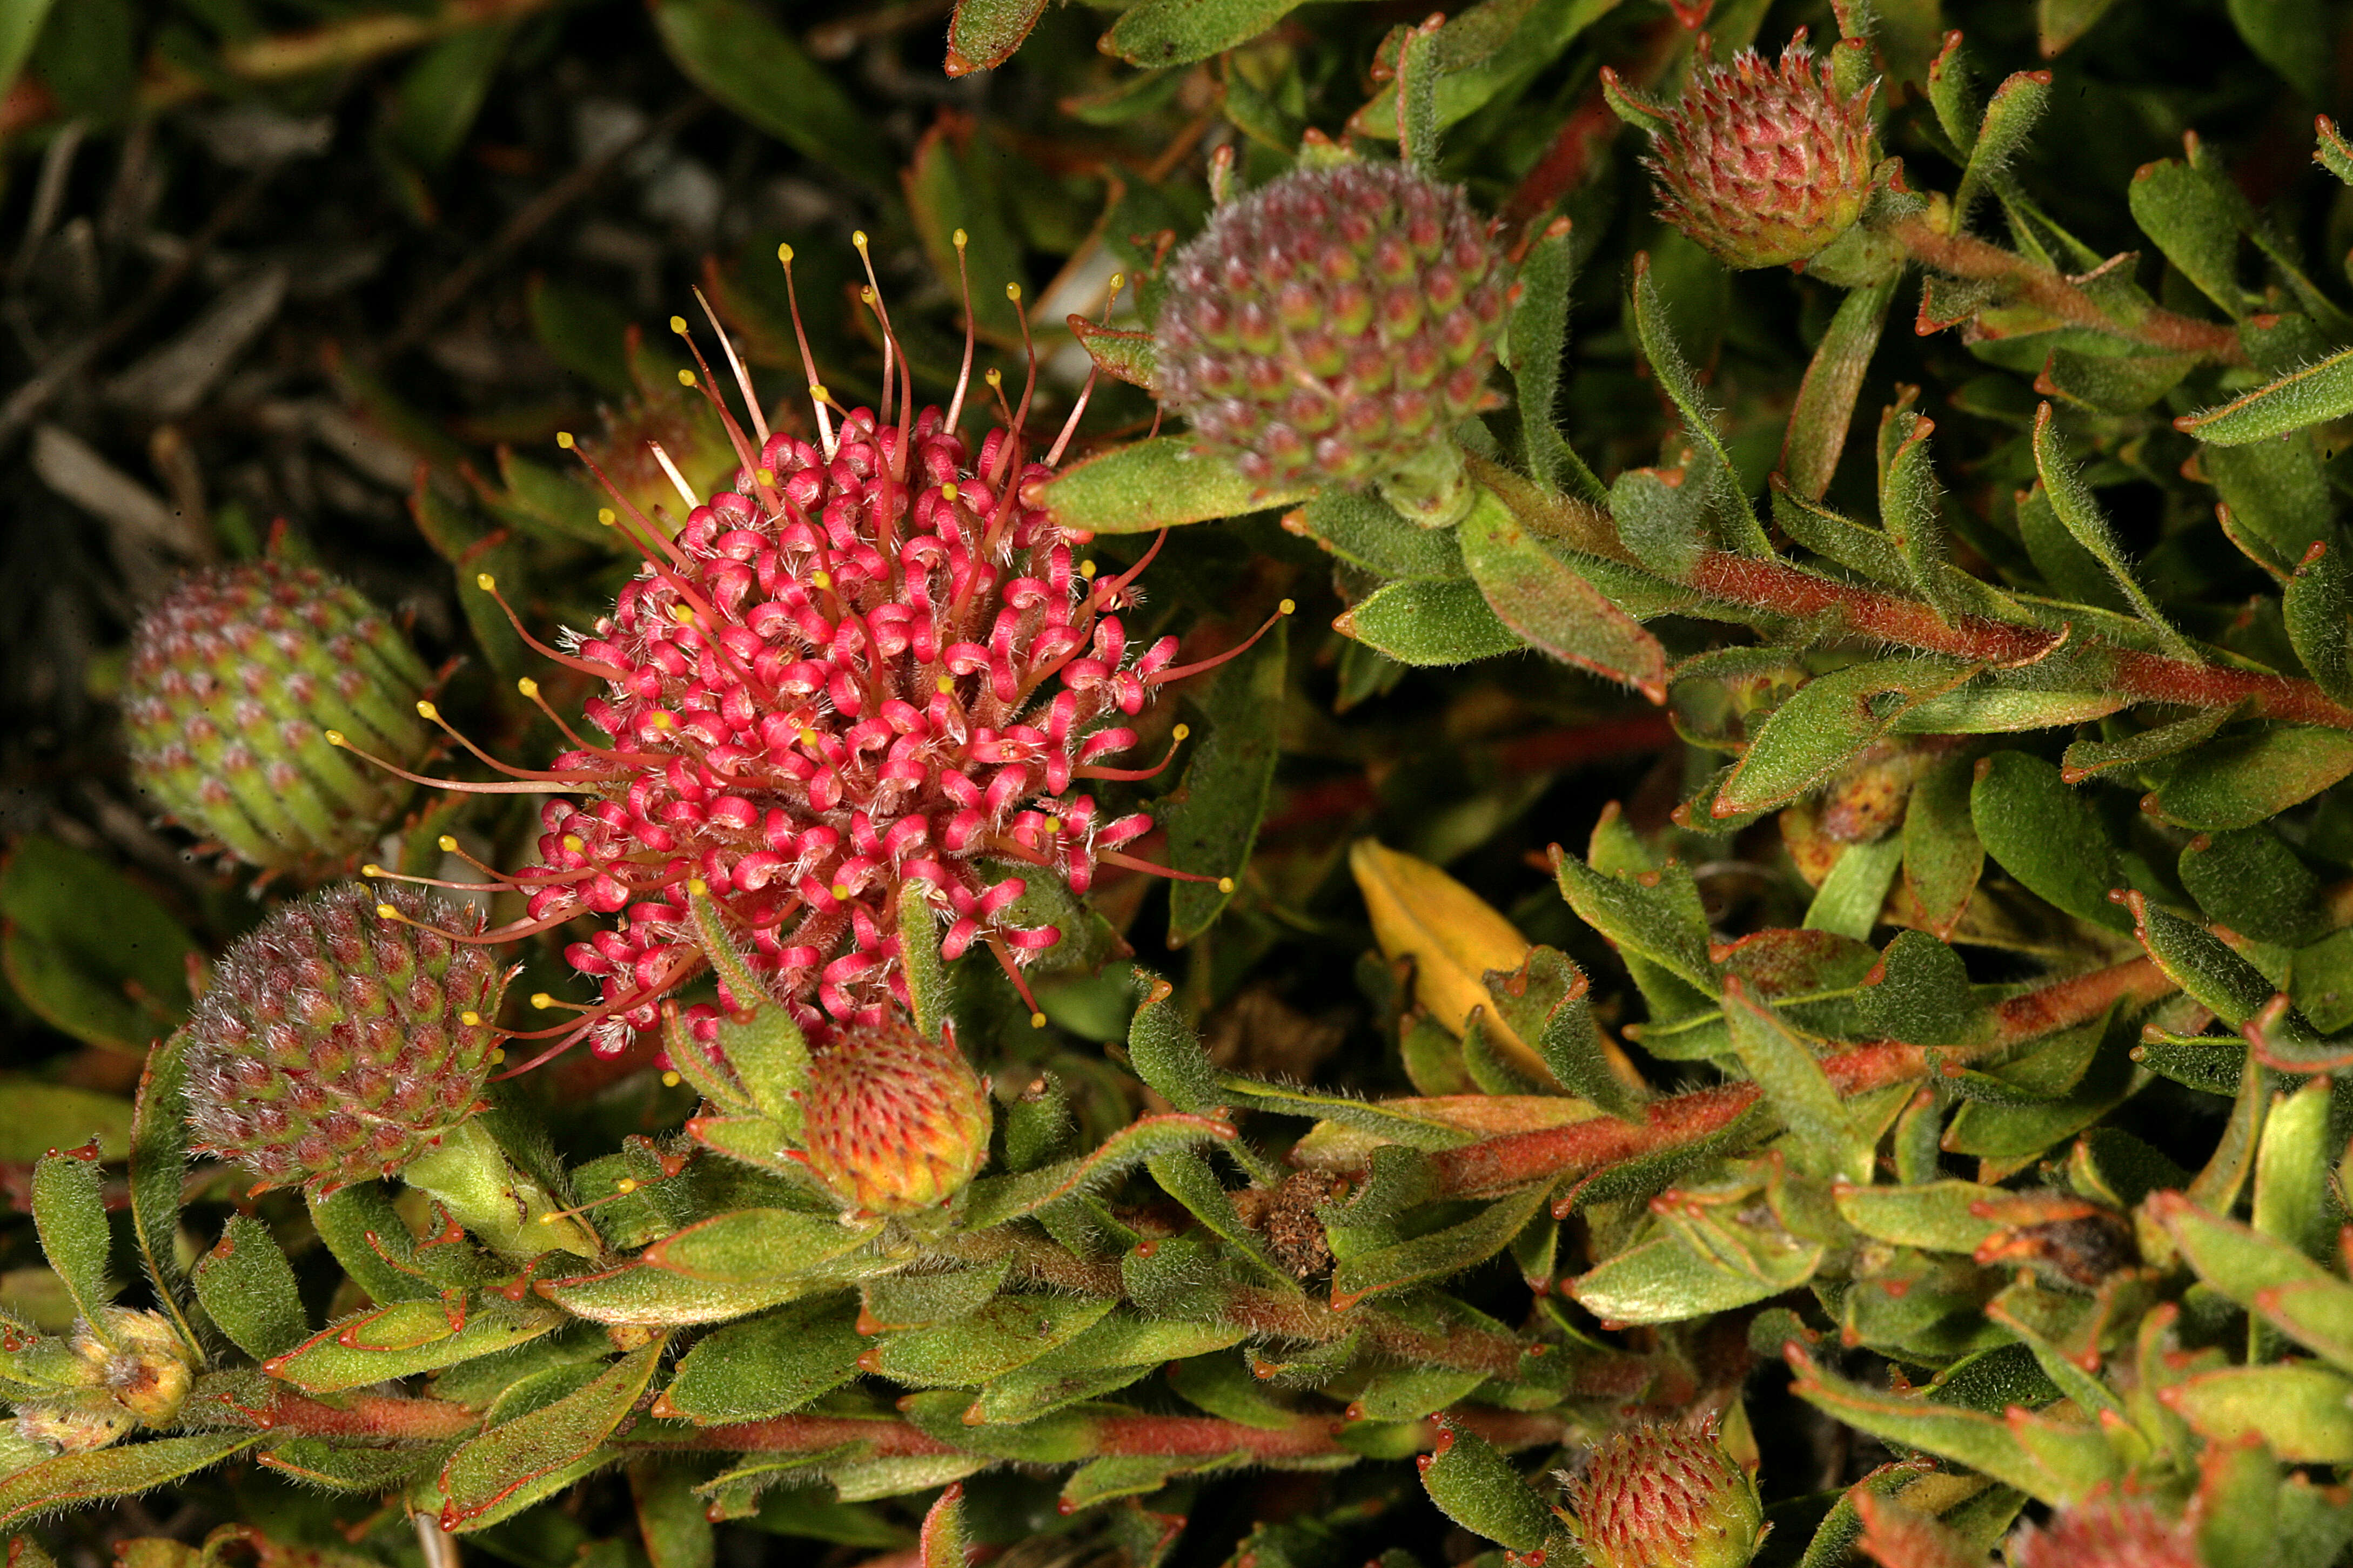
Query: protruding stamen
{"points": [[809, 361], [336, 738], [1113, 857], [669, 546], [376, 873], [1177, 738], [530, 689], [746, 454], [431, 714], [964, 376], [1162, 676], [735, 364], [890, 344], [1079, 409], [489, 585], [497, 938], [1013, 972], [685, 490]]}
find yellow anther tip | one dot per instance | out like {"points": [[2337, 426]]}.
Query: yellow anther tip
{"points": [[564, 439], [1225, 884], [1286, 607], [1013, 291], [1037, 1020], [425, 710], [841, 889], [542, 1000], [471, 1018], [858, 237], [626, 1184], [1088, 569], [527, 686], [497, 1057], [766, 476], [486, 583], [371, 870], [678, 325], [784, 254], [1180, 732], [449, 843], [818, 391], [946, 683], [995, 376], [334, 737], [958, 239], [686, 378], [608, 516], [549, 1218], [671, 1080], [386, 911], [949, 492], [698, 887]]}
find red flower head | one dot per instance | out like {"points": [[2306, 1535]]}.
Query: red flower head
{"points": [[873, 660]]}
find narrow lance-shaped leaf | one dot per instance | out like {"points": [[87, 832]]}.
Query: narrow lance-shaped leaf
{"points": [[1538, 329], [1675, 376], [504, 1467], [159, 1167], [761, 72], [1825, 724], [929, 990], [1909, 511], [1146, 486], [1826, 1136], [2315, 603], [2195, 216], [2010, 115], [2072, 499], [982, 33], [1429, 623], [70, 1479], [1178, 32], [2332, 153], [248, 1289], [1417, 96], [1532, 591], [1825, 407], [2312, 396], [1473, 1486]]}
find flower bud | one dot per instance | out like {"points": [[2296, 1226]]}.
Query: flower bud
{"points": [[1333, 325], [1665, 1496], [1764, 166], [893, 1122], [235, 678], [145, 1368], [341, 1037], [2107, 1532]]}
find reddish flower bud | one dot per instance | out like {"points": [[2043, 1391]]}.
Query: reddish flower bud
{"points": [[236, 676], [1764, 166], [337, 1042], [893, 1122], [2110, 1532], [1665, 1496]]}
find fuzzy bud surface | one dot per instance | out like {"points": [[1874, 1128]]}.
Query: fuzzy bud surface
{"points": [[1332, 326], [1764, 166], [1665, 1496], [893, 1122], [2106, 1532], [233, 677], [336, 1044]]}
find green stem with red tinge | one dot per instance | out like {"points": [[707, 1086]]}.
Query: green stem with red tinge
{"points": [[1547, 1154], [1140, 1434]]}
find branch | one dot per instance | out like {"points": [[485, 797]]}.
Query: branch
{"points": [[1158, 1437], [1516, 1159]]}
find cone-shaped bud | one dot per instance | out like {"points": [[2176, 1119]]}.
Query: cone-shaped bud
{"points": [[236, 676], [893, 1122], [1665, 1496], [134, 1370], [1333, 325], [1764, 166], [2109, 1533], [337, 1042]]}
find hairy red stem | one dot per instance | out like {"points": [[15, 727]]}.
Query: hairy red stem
{"points": [[1204, 1436]]}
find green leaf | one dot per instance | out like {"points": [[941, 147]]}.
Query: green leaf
{"points": [[2197, 962], [41, 1112], [1166, 1053], [1824, 411], [1213, 816], [755, 1246], [1551, 607], [89, 951], [994, 1200], [1825, 1136], [1677, 380], [124, 1471], [2292, 1203], [1545, 1003], [2254, 883], [1363, 530], [929, 989], [442, 92], [766, 1366], [737, 54], [1909, 512], [1537, 335], [2332, 153], [1935, 1215], [1178, 32], [1185, 1175], [1824, 725], [2312, 396], [1943, 856], [2292, 37], [1841, 539], [1849, 901], [20, 25], [88, 57], [1669, 1279], [587, 332], [983, 34], [1428, 624], [2315, 603], [2197, 216], [1415, 96], [953, 189], [672, 1520], [2071, 500], [1474, 1486], [2253, 774], [248, 1289], [2088, 759], [510, 1466], [2305, 1413], [1010, 1331], [2047, 836], [1438, 1255], [2009, 116], [1921, 995], [1145, 486], [70, 1215], [1656, 915], [404, 1338]]}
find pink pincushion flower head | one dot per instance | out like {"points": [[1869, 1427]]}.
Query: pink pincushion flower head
{"points": [[870, 662]]}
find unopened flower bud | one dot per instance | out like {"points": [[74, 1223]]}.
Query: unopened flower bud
{"points": [[1665, 1496], [893, 1122], [1332, 326], [235, 678], [140, 1362], [342, 1036], [2106, 1532], [1764, 166]]}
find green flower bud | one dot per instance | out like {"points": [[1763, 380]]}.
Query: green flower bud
{"points": [[1665, 1496], [893, 1122]]}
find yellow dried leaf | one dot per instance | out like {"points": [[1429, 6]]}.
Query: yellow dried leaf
{"points": [[1452, 935]]}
